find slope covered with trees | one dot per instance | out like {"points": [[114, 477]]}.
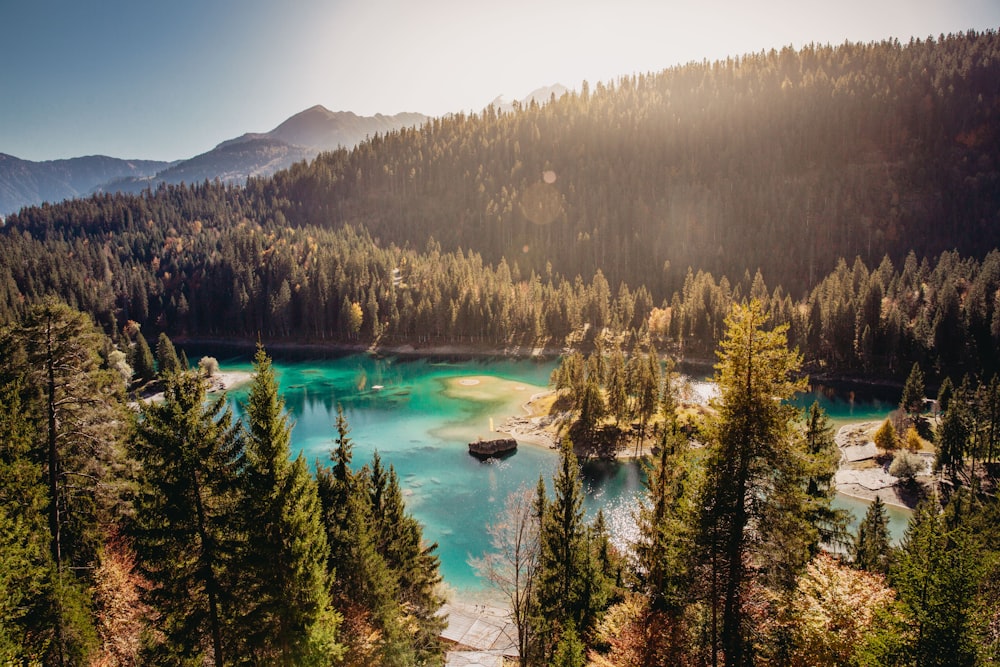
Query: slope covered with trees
{"points": [[825, 152], [655, 201]]}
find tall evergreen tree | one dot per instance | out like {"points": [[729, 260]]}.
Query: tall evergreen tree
{"points": [[27, 622], [953, 434], [912, 400], [648, 388], [365, 588], [936, 573], [754, 472], [616, 390], [871, 550], [569, 589], [77, 403], [414, 564], [945, 393], [822, 461], [285, 607], [592, 410], [142, 360], [76, 408], [167, 360], [667, 521], [190, 455]]}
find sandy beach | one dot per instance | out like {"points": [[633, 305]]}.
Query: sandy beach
{"points": [[226, 380], [532, 428], [218, 382], [539, 426]]}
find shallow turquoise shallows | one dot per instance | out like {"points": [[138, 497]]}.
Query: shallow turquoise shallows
{"points": [[420, 415]]}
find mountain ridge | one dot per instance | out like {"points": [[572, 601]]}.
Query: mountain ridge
{"points": [[25, 182], [300, 137]]}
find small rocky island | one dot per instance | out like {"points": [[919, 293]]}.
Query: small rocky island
{"points": [[484, 449]]}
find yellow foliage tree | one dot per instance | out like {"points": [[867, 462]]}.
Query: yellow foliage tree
{"points": [[885, 437], [831, 611]]}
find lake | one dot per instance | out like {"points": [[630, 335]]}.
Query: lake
{"points": [[420, 414], [421, 421]]}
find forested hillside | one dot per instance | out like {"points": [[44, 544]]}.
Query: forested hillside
{"points": [[652, 203], [827, 152]]}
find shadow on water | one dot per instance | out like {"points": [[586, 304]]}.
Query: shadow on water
{"points": [[617, 478]]}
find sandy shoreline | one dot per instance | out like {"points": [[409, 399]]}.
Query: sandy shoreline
{"points": [[540, 429], [226, 380], [219, 381], [531, 429]]}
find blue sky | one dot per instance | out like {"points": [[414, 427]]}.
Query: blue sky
{"points": [[170, 79]]}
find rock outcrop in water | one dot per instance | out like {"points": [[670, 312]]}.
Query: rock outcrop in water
{"points": [[485, 449]]}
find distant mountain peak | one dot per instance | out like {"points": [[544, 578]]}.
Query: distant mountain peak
{"points": [[540, 96], [318, 127]]}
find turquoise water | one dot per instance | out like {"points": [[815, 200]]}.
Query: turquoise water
{"points": [[846, 403], [421, 422], [899, 517], [426, 412]]}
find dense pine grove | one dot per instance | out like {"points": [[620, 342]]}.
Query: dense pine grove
{"points": [[833, 209]]}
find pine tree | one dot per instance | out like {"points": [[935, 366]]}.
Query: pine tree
{"points": [[142, 360], [78, 403], [953, 435], [592, 410], [26, 569], [936, 573], [823, 458], [190, 456], [668, 397], [167, 360], [648, 389], [912, 400], [667, 520], [77, 407], [603, 571], [569, 588], [617, 395], [285, 608], [751, 495], [365, 589], [871, 550], [563, 543], [415, 566], [945, 393], [569, 650]]}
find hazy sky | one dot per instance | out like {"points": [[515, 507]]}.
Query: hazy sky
{"points": [[169, 79]]}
